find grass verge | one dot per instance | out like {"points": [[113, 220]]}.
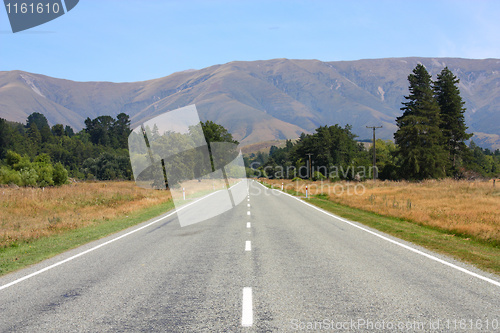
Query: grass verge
{"points": [[480, 253], [25, 253]]}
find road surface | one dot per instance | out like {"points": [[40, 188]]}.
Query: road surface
{"points": [[270, 264]]}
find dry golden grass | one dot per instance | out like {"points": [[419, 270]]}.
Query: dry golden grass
{"points": [[466, 207], [30, 213]]}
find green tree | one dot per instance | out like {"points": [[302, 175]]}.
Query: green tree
{"points": [[216, 133], [38, 119], [12, 158], [419, 138], [58, 130], [332, 147], [121, 130], [69, 131], [452, 115], [60, 174], [44, 170], [100, 130], [386, 162], [34, 135], [4, 137], [46, 134]]}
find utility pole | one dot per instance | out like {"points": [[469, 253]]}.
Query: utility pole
{"points": [[310, 174], [374, 154]]}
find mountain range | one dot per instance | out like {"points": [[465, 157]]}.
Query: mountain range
{"points": [[264, 100]]}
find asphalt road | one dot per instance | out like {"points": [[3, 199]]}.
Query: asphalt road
{"points": [[284, 267]]}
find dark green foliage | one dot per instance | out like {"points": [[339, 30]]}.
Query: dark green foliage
{"points": [[106, 131], [60, 174], [46, 134], [419, 138], [69, 131], [335, 154], [100, 130], [20, 170], [58, 130], [330, 145], [34, 135], [386, 159], [38, 119], [432, 133], [452, 116], [479, 162], [107, 166], [216, 133], [100, 151], [4, 137], [48, 156], [13, 159]]}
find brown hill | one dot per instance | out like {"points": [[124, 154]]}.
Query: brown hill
{"points": [[264, 100]]}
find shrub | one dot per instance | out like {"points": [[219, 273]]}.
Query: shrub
{"points": [[9, 176], [60, 174], [12, 158], [43, 159], [45, 175], [28, 176]]}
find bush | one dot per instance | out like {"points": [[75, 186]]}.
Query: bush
{"points": [[60, 174], [22, 172], [45, 175], [12, 158], [9, 176], [43, 159], [29, 177]]}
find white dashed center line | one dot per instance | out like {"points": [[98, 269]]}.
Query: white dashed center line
{"points": [[247, 313], [248, 246], [248, 225], [248, 213]]}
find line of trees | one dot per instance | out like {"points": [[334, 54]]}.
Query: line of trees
{"points": [[99, 151], [431, 132], [36, 154], [429, 143], [334, 152]]}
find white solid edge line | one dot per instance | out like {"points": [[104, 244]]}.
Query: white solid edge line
{"points": [[247, 310], [429, 256], [248, 246], [248, 225], [98, 246], [242, 180]]}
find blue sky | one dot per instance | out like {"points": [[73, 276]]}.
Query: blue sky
{"points": [[131, 40]]}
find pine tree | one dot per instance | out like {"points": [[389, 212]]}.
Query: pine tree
{"points": [[419, 137], [452, 115], [4, 137], [38, 119], [34, 135]]}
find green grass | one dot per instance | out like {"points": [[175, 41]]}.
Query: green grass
{"points": [[20, 255], [482, 254]]}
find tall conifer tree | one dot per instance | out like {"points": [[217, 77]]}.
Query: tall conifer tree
{"points": [[419, 138], [452, 116]]}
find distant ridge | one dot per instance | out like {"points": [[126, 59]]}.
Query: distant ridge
{"points": [[264, 100]]}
